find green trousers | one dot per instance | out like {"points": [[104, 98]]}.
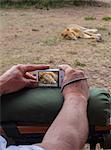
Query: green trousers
{"points": [[41, 105]]}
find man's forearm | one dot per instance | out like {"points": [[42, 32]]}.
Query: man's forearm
{"points": [[70, 127], [1, 85]]}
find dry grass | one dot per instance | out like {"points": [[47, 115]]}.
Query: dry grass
{"points": [[33, 36]]}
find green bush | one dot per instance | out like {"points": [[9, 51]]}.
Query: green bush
{"points": [[90, 18], [107, 18], [42, 3]]}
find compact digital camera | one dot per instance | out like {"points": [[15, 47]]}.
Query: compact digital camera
{"points": [[49, 77]]}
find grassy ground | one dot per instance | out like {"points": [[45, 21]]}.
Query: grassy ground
{"points": [[33, 36]]}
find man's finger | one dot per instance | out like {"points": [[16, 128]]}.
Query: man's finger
{"points": [[30, 76], [28, 68]]}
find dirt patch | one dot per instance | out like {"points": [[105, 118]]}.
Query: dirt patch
{"points": [[33, 36]]}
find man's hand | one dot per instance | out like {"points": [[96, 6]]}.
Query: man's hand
{"points": [[19, 77], [79, 88]]}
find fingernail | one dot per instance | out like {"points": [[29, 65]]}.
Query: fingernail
{"points": [[34, 77]]}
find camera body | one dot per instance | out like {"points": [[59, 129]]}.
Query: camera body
{"points": [[49, 77]]}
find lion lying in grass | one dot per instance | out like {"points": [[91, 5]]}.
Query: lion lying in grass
{"points": [[48, 77], [73, 32]]}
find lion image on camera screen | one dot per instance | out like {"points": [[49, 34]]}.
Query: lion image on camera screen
{"points": [[48, 77]]}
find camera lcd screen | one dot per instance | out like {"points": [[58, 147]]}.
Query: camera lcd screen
{"points": [[48, 79]]}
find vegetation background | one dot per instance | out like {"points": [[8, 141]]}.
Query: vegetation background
{"points": [[51, 3]]}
